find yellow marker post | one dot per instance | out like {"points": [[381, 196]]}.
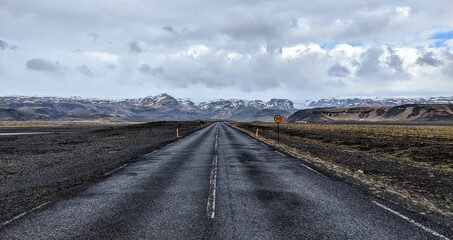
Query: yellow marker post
{"points": [[257, 133], [278, 119]]}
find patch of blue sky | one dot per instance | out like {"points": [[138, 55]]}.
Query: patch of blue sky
{"points": [[355, 43], [328, 45], [438, 40], [437, 44], [443, 35], [331, 45]]}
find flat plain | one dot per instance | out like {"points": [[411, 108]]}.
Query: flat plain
{"points": [[35, 168]]}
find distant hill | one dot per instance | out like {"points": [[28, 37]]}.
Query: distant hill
{"points": [[439, 113], [160, 107]]}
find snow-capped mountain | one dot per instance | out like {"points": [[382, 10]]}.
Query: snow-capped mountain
{"points": [[377, 102], [160, 107]]}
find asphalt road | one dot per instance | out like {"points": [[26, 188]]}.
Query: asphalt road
{"points": [[217, 184]]}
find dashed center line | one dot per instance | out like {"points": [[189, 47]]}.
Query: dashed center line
{"points": [[210, 208], [411, 221]]}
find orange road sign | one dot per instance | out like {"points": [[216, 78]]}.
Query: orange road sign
{"points": [[278, 119]]}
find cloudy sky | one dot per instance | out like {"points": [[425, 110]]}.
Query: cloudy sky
{"points": [[226, 49]]}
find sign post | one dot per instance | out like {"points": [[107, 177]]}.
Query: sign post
{"points": [[278, 119]]}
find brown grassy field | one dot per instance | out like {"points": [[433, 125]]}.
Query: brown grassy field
{"points": [[411, 165]]}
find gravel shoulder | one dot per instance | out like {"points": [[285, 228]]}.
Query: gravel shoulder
{"points": [[410, 166], [37, 168]]}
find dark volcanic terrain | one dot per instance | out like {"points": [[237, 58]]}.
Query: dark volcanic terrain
{"points": [[35, 168]]}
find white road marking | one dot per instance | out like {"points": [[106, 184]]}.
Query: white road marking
{"points": [[210, 208], [39, 206], [23, 133], [150, 153], [311, 169], [411, 221], [25, 213], [14, 218], [281, 154], [116, 169], [264, 144]]}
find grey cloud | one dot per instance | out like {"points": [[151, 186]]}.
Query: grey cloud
{"points": [[338, 70], [371, 23], [136, 47], [429, 59], [169, 29], [370, 62], [147, 69], [94, 36], [43, 65], [272, 49], [228, 27], [6, 46], [85, 70], [245, 26], [393, 60], [448, 69]]}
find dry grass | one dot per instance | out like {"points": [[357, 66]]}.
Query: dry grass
{"points": [[422, 145]]}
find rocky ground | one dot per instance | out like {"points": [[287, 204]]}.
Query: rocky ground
{"points": [[36, 168], [411, 166]]}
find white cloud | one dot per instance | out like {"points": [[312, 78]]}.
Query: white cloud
{"points": [[295, 49], [103, 57]]}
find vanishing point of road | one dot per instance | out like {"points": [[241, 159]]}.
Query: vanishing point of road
{"points": [[217, 183]]}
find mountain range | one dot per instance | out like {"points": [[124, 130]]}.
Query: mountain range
{"points": [[376, 102], [151, 108]]}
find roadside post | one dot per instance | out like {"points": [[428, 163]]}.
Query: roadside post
{"points": [[257, 132], [278, 119], [177, 133]]}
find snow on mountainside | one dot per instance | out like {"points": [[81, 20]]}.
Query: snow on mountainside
{"points": [[407, 113], [377, 102], [160, 107]]}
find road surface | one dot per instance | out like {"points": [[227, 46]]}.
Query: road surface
{"points": [[217, 184]]}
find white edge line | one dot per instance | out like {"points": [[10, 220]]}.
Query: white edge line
{"points": [[40, 206], [150, 153], [281, 154], [25, 213], [116, 169], [311, 169], [264, 144], [14, 218], [411, 221]]}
